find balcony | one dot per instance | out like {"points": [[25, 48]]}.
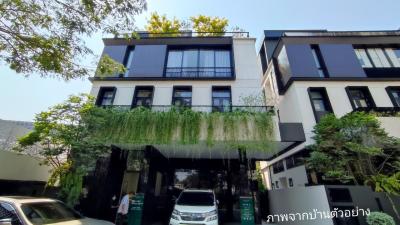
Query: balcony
{"points": [[186, 34], [199, 131], [391, 72], [199, 72], [389, 117], [199, 108]]}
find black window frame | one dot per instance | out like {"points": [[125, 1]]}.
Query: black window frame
{"points": [[278, 167], [370, 101], [290, 182], [100, 95], [263, 59], [325, 99], [389, 91], [130, 49], [322, 66], [197, 70], [174, 99], [297, 159], [383, 48], [216, 108], [139, 88]]}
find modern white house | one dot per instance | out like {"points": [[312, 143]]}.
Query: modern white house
{"points": [[309, 73], [204, 73]]}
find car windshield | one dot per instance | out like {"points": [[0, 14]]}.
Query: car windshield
{"points": [[196, 199], [48, 212]]}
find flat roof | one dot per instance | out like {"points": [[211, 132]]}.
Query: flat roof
{"points": [[277, 34]]}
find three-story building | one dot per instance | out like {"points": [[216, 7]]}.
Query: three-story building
{"points": [[214, 73]]}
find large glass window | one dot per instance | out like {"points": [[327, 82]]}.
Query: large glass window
{"points": [[318, 61], [320, 102], [278, 167], [394, 56], [182, 96], [221, 99], [129, 59], [175, 59], [143, 97], [199, 63], [360, 97], [106, 96], [378, 57], [394, 94], [363, 58]]}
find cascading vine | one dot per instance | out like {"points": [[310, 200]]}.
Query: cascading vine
{"points": [[184, 127]]}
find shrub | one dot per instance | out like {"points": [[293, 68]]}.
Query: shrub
{"points": [[379, 218]]}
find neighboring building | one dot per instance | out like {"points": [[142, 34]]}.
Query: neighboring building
{"points": [[309, 73], [20, 174], [204, 73], [10, 130]]}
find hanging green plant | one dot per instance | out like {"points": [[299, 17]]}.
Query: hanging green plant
{"points": [[183, 126]]}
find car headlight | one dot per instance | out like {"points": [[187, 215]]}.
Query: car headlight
{"points": [[213, 215], [175, 214]]}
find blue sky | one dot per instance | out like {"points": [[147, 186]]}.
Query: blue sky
{"points": [[21, 98]]}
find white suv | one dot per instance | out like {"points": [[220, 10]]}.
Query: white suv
{"points": [[195, 207]]}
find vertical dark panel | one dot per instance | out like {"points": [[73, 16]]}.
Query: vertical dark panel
{"points": [[116, 52], [148, 61], [301, 60], [341, 60]]}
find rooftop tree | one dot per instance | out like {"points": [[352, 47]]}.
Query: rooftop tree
{"points": [[209, 26], [205, 25], [47, 36], [160, 24]]}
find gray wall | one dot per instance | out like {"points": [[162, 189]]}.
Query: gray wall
{"points": [[148, 61], [297, 61], [341, 60], [364, 198], [299, 200], [116, 52], [301, 60]]}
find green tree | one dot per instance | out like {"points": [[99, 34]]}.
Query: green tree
{"points": [[209, 26], [63, 133], [46, 36], [160, 24], [354, 148], [206, 25], [108, 67], [380, 218]]}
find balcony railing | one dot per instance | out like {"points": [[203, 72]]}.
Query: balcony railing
{"points": [[145, 35], [199, 72], [199, 108], [380, 111]]}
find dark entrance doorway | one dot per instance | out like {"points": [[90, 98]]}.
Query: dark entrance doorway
{"points": [[162, 179]]}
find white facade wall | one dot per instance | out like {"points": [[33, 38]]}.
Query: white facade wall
{"points": [[20, 167], [248, 81]]}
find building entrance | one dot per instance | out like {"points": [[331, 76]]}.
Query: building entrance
{"points": [[162, 179]]}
